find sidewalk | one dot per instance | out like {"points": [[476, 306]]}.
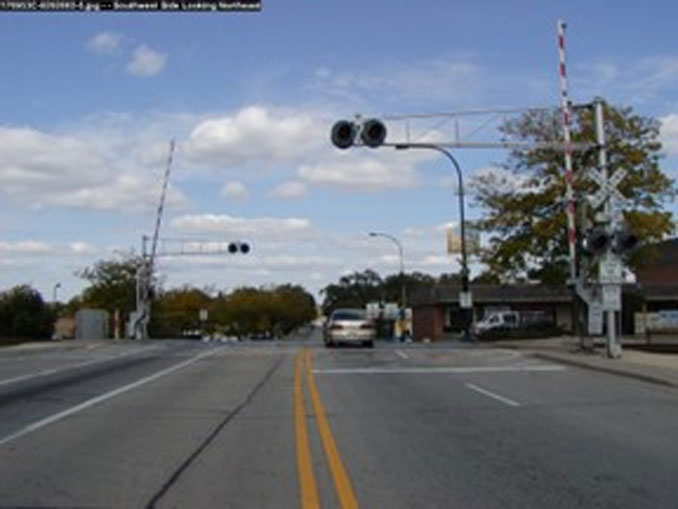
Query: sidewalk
{"points": [[658, 368]]}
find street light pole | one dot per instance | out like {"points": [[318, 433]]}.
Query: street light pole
{"points": [[464, 306], [54, 292], [403, 299]]}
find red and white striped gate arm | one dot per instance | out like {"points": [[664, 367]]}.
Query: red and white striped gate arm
{"points": [[565, 107]]}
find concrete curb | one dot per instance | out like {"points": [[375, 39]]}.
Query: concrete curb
{"points": [[607, 369]]}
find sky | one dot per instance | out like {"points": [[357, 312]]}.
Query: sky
{"points": [[90, 101]]}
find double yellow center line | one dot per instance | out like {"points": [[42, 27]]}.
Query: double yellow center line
{"points": [[307, 482]]}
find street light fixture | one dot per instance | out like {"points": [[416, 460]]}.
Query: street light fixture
{"points": [[403, 301], [54, 292]]}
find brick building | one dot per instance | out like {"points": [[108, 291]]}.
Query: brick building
{"points": [[436, 309]]}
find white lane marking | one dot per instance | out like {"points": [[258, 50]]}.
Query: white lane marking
{"points": [[401, 354], [492, 395], [440, 369], [45, 372], [100, 399]]}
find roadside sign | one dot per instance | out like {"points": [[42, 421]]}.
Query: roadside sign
{"points": [[203, 314], [595, 319], [472, 234], [669, 318], [373, 310], [612, 298], [610, 270], [465, 300], [391, 311]]}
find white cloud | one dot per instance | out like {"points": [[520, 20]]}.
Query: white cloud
{"points": [[669, 133], [291, 189], [255, 134], [104, 43], [234, 190], [31, 160], [451, 77], [95, 164], [146, 62], [82, 248], [361, 173], [434, 261], [27, 247], [125, 192], [254, 260], [263, 228], [636, 81]]}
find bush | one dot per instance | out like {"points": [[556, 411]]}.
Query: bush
{"points": [[24, 315]]}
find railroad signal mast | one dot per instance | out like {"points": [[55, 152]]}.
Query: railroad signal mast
{"points": [[602, 243], [141, 317]]}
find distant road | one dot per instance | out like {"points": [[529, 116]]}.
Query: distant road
{"points": [[291, 424]]}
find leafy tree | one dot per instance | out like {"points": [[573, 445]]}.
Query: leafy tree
{"points": [[527, 221], [353, 290], [486, 278], [177, 310], [112, 285], [391, 285], [294, 307], [24, 315], [360, 288]]}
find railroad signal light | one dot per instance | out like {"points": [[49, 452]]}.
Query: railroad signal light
{"points": [[625, 241], [238, 247], [596, 242], [343, 134], [373, 133]]}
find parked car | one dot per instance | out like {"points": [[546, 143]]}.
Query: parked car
{"points": [[349, 326], [497, 320], [514, 324]]}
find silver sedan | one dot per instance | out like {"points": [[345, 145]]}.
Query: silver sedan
{"points": [[349, 326]]}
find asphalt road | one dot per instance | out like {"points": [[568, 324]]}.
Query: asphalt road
{"points": [[191, 424]]}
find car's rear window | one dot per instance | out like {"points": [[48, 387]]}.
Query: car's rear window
{"points": [[348, 315]]}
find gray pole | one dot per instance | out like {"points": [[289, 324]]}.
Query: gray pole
{"points": [[403, 297], [612, 349], [464, 265], [54, 292]]}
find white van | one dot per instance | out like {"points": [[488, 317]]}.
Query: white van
{"points": [[496, 320]]}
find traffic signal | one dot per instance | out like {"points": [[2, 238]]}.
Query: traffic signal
{"points": [[372, 133], [235, 247], [343, 134]]}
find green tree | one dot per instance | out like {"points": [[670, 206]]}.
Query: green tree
{"points": [[112, 285], [177, 310], [294, 307], [24, 315], [391, 285], [353, 290], [527, 222]]}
